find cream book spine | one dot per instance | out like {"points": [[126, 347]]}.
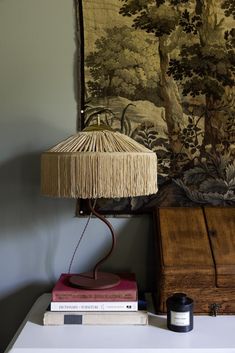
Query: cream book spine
{"points": [[95, 318]]}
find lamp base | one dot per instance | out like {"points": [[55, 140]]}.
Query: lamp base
{"points": [[87, 281]]}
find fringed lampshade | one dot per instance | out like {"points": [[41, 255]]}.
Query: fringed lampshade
{"points": [[98, 163], [94, 164]]}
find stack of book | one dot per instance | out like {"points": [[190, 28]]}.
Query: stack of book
{"points": [[114, 306]]}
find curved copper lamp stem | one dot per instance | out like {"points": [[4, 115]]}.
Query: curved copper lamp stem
{"points": [[102, 218]]}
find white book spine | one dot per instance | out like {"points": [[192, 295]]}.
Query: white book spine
{"points": [[98, 318], [94, 306]]}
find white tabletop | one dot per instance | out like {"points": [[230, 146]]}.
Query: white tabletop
{"points": [[210, 334]]}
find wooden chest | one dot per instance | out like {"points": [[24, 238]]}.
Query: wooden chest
{"points": [[195, 253]]}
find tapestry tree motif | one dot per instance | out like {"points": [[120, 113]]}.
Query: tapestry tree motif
{"points": [[162, 72]]}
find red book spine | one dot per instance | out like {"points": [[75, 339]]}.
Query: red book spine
{"points": [[94, 296], [126, 290]]}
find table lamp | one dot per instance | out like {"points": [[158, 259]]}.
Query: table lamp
{"points": [[98, 162]]}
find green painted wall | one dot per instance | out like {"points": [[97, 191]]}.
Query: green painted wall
{"points": [[37, 109]]}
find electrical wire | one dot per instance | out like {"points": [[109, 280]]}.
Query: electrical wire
{"points": [[80, 239]]}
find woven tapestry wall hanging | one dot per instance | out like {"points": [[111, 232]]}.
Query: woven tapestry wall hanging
{"points": [[162, 72]]}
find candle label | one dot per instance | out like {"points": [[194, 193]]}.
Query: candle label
{"points": [[180, 318]]}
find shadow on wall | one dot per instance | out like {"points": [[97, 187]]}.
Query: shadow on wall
{"points": [[27, 218], [134, 251], [14, 308], [29, 221], [28, 238], [20, 201]]}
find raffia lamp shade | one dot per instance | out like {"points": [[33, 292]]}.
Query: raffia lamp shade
{"points": [[98, 163]]}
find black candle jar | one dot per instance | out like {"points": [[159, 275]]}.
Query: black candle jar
{"points": [[179, 313]]}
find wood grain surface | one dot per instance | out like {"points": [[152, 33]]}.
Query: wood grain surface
{"points": [[221, 231], [195, 254]]}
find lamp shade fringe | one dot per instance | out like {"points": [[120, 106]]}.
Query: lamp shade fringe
{"points": [[98, 164]]}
